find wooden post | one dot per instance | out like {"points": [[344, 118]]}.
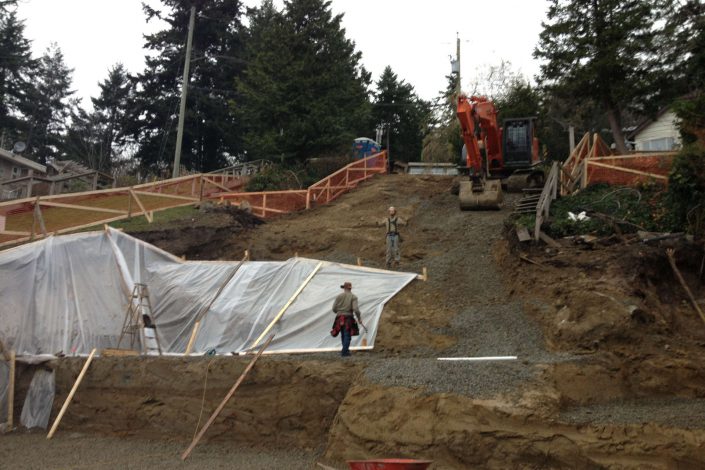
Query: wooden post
{"points": [[11, 393], [672, 262], [230, 394], [200, 195], [39, 218], [359, 261], [192, 339], [95, 181], [129, 204], [264, 205], [71, 394], [308, 198], [287, 305]]}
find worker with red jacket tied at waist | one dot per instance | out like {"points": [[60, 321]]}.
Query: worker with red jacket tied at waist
{"points": [[344, 306]]}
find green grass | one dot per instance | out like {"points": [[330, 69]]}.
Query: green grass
{"points": [[139, 224]]}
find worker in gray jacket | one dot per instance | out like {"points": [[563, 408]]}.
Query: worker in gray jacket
{"points": [[392, 224], [344, 307]]}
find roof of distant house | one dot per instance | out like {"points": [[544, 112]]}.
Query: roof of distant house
{"points": [[14, 158]]}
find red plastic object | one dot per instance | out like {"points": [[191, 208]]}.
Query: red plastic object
{"points": [[389, 464]]}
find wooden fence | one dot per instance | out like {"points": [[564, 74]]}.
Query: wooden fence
{"points": [[548, 195], [26, 219], [273, 203], [592, 161]]}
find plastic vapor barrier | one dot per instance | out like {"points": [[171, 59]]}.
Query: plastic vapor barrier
{"points": [[70, 294], [39, 400]]}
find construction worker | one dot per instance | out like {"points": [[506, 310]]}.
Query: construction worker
{"points": [[392, 223], [344, 307]]}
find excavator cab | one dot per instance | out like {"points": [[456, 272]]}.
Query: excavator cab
{"points": [[518, 142]]}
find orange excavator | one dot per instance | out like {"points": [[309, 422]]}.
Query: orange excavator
{"points": [[495, 153]]}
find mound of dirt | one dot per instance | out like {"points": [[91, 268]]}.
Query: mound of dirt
{"points": [[206, 235]]}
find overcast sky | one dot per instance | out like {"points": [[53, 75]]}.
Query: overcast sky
{"points": [[415, 41]]}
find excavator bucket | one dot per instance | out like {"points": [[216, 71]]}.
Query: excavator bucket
{"points": [[475, 196]]}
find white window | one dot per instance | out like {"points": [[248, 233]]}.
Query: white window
{"points": [[662, 144]]}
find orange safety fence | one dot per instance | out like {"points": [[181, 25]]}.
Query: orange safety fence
{"points": [[593, 162], [273, 203], [630, 170], [23, 220]]}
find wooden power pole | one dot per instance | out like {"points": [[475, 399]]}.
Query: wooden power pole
{"points": [[457, 58], [184, 91]]}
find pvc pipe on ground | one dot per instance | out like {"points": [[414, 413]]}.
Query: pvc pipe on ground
{"points": [[478, 359]]}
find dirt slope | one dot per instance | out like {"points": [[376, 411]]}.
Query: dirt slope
{"points": [[609, 372]]}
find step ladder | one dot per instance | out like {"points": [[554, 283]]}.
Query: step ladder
{"points": [[138, 324]]}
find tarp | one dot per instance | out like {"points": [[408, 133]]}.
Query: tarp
{"points": [[70, 294], [39, 400]]}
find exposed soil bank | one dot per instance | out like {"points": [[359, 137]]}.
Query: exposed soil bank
{"points": [[459, 432], [281, 403]]}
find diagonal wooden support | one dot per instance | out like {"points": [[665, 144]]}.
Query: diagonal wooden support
{"points": [[65, 406], [287, 305], [217, 411], [147, 215]]}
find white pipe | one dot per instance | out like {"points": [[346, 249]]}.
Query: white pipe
{"points": [[485, 358]]}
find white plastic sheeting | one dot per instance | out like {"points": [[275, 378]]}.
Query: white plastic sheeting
{"points": [[40, 398], [70, 294]]}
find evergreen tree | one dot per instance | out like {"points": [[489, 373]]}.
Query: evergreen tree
{"points": [[304, 93], [601, 50], [98, 138], [684, 48], [16, 67], [398, 108], [211, 134], [49, 106]]}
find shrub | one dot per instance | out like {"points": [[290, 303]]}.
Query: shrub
{"points": [[685, 198]]}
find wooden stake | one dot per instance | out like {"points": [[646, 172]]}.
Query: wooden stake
{"points": [[192, 339], [359, 261], [5, 353], [217, 411], [672, 261], [71, 394], [11, 393], [287, 305]]}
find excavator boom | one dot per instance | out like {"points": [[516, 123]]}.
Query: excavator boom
{"points": [[478, 121]]}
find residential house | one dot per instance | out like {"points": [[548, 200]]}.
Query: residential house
{"points": [[658, 134]]}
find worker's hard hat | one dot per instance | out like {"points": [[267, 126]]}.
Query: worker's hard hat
{"points": [[392, 208]]}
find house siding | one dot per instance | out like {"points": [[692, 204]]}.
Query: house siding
{"points": [[665, 127]]}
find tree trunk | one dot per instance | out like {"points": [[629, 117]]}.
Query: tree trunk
{"points": [[614, 117]]}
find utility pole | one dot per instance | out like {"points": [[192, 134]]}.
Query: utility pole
{"points": [[457, 56], [184, 90]]}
